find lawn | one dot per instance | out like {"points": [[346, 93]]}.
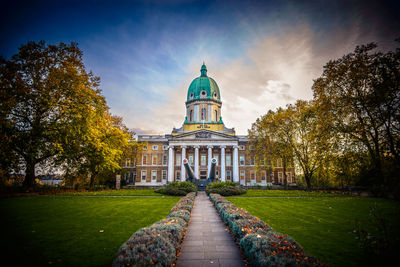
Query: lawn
{"points": [[73, 231], [286, 193], [121, 192], [324, 226]]}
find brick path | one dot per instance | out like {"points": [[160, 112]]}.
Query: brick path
{"points": [[207, 242]]}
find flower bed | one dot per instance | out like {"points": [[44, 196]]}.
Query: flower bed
{"points": [[261, 244], [157, 244]]}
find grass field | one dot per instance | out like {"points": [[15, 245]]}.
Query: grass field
{"points": [[287, 193], [73, 231], [324, 226], [121, 192]]}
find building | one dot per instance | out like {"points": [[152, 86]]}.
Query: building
{"points": [[203, 136]]}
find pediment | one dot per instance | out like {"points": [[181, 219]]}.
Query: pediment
{"points": [[204, 135]]}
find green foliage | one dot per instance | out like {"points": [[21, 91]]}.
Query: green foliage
{"points": [[225, 188], [324, 225], [156, 244], [177, 189], [261, 244], [221, 184]]}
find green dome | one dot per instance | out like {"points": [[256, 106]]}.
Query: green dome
{"points": [[203, 87]]}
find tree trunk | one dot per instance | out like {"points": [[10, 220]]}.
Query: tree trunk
{"points": [[285, 176], [29, 180], [308, 181]]}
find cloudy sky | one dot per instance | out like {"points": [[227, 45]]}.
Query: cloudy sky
{"points": [[262, 54]]}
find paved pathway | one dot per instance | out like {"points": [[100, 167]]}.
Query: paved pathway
{"points": [[207, 242]]}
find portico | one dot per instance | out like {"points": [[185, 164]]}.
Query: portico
{"points": [[210, 147]]}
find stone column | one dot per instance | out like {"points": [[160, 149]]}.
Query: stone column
{"points": [[170, 164], [236, 164], [223, 163], [183, 170], [196, 161], [209, 159], [209, 113]]}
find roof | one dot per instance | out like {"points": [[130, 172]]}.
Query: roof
{"points": [[203, 87]]}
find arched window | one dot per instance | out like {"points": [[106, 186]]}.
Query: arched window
{"points": [[216, 115], [191, 115], [203, 114]]}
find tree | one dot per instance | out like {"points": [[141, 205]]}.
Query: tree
{"points": [[360, 94], [271, 135], [49, 105]]}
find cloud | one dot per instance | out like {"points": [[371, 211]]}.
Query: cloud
{"points": [[274, 70]]}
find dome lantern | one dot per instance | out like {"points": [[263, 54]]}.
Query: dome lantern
{"points": [[203, 70]]}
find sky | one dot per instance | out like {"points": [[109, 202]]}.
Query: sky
{"points": [[262, 54]]}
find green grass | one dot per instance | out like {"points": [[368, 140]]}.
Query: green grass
{"points": [[324, 226], [121, 192], [285, 193], [65, 231]]}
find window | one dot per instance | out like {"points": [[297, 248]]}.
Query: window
{"points": [[127, 162], [289, 177], [242, 160], [154, 160], [191, 115], [191, 95], [203, 114], [203, 94], [228, 160], [216, 115], [164, 160], [241, 147], [242, 175], [178, 160], [178, 175], [280, 177], [144, 160], [228, 175], [164, 175], [144, 147], [203, 160], [252, 175], [217, 158], [144, 174], [279, 163], [217, 174], [155, 148], [191, 160], [165, 147], [153, 175], [263, 175]]}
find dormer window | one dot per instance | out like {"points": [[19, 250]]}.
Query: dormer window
{"points": [[191, 95], [215, 95], [203, 94]]}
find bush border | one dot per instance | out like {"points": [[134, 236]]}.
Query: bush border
{"points": [[158, 243], [260, 243]]}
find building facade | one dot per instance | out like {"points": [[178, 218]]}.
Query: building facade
{"points": [[203, 136]]}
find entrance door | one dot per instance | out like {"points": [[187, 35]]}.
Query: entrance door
{"points": [[203, 174]]}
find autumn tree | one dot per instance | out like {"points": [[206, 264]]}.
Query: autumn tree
{"points": [[360, 94], [270, 135], [50, 105]]}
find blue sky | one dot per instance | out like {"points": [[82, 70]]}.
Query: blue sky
{"points": [[263, 54]]}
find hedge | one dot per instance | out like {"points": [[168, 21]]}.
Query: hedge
{"points": [[260, 243], [177, 189], [156, 245], [225, 189]]}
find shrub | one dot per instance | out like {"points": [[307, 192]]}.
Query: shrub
{"points": [[225, 189], [156, 245], [177, 189], [261, 244]]}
